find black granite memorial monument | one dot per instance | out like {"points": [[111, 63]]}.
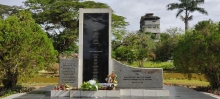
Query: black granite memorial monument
{"points": [[95, 46]]}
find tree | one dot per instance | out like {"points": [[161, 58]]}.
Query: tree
{"points": [[8, 10], [144, 46], [24, 49], [168, 41], [135, 46], [164, 49], [124, 54], [199, 52], [60, 20], [174, 31], [187, 7]]}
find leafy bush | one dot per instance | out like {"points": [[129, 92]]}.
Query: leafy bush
{"points": [[199, 52], [54, 68], [124, 53], [25, 49], [165, 48]]}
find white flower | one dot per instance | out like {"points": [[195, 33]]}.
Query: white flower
{"points": [[96, 87], [92, 82]]}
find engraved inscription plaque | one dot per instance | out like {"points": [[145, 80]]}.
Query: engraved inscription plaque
{"points": [[68, 72], [144, 78], [95, 46]]}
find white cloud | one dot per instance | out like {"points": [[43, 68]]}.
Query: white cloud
{"points": [[134, 9]]}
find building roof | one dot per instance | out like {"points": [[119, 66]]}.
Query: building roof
{"points": [[149, 16]]}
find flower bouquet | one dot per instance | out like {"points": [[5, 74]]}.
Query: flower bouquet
{"points": [[90, 85], [112, 78], [64, 86]]}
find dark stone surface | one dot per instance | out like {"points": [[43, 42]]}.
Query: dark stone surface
{"points": [[95, 46]]}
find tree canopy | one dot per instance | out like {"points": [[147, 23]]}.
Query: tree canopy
{"points": [[199, 52], [6, 10], [134, 46], [187, 7], [168, 41], [24, 49], [60, 20]]}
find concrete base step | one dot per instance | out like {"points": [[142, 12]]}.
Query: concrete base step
{"points": [[110, 93]]}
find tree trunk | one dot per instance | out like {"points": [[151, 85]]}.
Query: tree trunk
{"points": [[186, 24], [10, 79], [186, 21], [213, 77], [142, 63], [139, 63]]}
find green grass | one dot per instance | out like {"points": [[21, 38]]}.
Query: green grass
{"points": [[186, 82], [181, 76], [150, 64], [40, 79], [38, 84]]}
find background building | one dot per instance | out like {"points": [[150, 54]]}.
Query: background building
{"points": [[150, 23]]}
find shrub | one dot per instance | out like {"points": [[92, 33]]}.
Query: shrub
{"points": [[199, 52]]}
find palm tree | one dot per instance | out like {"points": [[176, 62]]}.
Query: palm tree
{"points": [[187, 6]]}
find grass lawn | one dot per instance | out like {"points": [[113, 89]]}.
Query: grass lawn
{"points": [[150, 64], [38, 84], [181, 76], [40, 79], [186, 82]]}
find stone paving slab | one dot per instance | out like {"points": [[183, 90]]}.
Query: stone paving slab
{"points": [[109, 93], [14, 96], [177, 92], [174, 91]]}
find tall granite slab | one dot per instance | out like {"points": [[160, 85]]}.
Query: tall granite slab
{"points": [[138, 78], [68, 72], [94, 44]]}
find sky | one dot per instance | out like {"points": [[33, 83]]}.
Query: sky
{"points": [[132, 10]]}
